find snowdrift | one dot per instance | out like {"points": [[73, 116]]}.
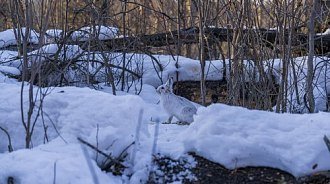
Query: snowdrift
{"points": [[238, 137], [232, 136], [8, 38]]}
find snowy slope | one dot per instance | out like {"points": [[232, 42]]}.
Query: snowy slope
{"points": [[231, 136], [8, 38], [54, 162], [101, 32], [54, 34], [4, 78], [238, 137], [321, 80], [70, 110], [9, 58], [76, 112], [156, 69], [6, 56], [12, 71]]}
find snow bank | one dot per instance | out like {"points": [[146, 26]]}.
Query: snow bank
{"points": [[8, 38], [321, 82], [11, 71], [69, 108], [101, 32], [188, 69], [326, 32], [54, 34], [45, 53], [6, 55], [55, 162], [101, 118], [156, 69], [9, 58], [6, 79], [232, 136], [65, 52], [238, 137]]}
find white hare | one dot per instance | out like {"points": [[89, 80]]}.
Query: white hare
{"points": [[174, 105]]}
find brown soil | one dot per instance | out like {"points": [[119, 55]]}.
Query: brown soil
{"points": [[208, 172]]}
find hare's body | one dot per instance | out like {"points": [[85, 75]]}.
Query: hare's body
{"points": [[174, 105]]}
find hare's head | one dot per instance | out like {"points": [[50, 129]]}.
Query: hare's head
{"points": [[167, 87]]}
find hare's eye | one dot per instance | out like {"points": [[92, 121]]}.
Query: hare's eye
{"points": [[162, 88]]}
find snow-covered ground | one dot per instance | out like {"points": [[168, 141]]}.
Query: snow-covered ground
{"points": [[54, 34], [8, 37], [100, 32], [232, 136], [238, 137], [157, 69], [321, 81]]}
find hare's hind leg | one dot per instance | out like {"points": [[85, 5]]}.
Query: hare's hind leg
{"points": [[183, 123], [169, 121]]}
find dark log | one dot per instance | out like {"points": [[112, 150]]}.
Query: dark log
{"points": [[190, 36]]}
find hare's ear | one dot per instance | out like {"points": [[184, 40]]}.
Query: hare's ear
{"points": [[170, 81], [169, 84]]}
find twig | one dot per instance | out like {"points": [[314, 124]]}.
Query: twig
{"points": [[54, 179], [107, 165], [154, 149], [10, 180], [124, 150], [327, 142], [90, 166], [97, 150], [97, 141], [10, 147], [58, 133], [137, 137]]}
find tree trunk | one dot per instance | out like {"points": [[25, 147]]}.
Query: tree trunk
{"points": [[202, 52], [309, 81]]}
